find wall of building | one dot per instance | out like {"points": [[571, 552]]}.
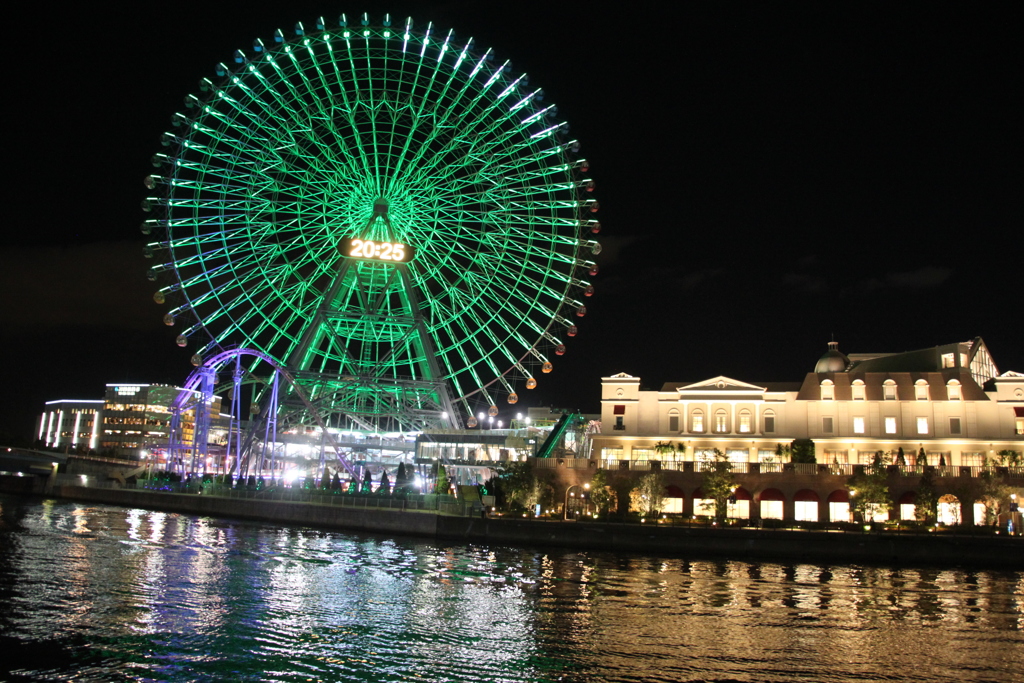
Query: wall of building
{"points": [[850, 416]]}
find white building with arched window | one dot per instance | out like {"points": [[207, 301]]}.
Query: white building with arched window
{"points": [[945, 406]]}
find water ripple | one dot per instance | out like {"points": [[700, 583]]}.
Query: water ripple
{"points": [[98, 593]]}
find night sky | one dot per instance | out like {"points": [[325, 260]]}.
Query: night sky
{"points": [[771, 176]]}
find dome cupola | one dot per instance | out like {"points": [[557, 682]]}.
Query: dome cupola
{"points": [[833, 360]]}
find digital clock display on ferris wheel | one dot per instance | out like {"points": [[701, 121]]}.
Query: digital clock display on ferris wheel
{"points": [[388, 252]]}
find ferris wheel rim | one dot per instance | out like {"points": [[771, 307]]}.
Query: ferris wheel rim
{"points": [[565, 243]]}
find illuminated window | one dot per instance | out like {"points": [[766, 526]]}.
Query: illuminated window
{"points": [[858, 390], [953, 390], [889, 390], [839, 512], [769, 422], [704, 507], [771, 509], [826, 425], [697, 421], [922, 425], [721, 420], [876, 512], [954, 425], [1019, 425], [908, 512], [975, 459], [805, 510], [737, 454], [673, 421], [737, 509], [827, 390], [890, 425], [921, 390], [612, 452], [858, 425], [837, 457], [982, 367], [744, 421]]}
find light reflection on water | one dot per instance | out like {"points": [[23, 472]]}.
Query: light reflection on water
{"points": [[104, 593]]}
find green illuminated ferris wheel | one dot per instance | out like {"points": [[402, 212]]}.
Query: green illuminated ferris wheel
{"points": [[394, 215]]}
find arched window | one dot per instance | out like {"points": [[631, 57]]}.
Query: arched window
{"points": [[673, 420], [827, 390], [744, 418], [953, 390], [858, 390], [721, 421], [769, 422], [697, 420], [889, 390], [921, 390]]}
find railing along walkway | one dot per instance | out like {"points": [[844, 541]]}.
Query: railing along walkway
{"points": [[426, 502]]}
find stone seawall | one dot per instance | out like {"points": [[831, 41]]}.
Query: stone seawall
{"points": [[812, 546], [745, 543], [353, 519]]}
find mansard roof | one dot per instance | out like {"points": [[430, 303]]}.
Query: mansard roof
{"points": [[906, 382]]}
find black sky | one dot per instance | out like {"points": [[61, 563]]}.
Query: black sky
{"points": [[770, 175]]}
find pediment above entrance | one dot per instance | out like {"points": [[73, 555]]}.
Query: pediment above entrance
{"points": [[718, 385]]}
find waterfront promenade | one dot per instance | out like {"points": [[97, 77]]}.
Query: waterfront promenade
{"points": [[444, 518]]}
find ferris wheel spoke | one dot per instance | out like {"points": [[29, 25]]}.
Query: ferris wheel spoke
{"points": [[301, 145], [241, 315], [533, 278]]}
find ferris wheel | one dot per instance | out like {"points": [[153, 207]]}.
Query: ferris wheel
{"points": [[396, 216]]}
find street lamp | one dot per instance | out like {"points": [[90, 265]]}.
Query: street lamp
{"points": [[1013, 513], [569, 493]]}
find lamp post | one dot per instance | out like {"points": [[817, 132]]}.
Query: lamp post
{"points": [[1014, 515], [569, 493]]}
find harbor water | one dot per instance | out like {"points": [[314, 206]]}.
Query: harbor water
{"points": [[103, 593]]}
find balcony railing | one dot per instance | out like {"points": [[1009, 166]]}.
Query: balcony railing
{"points": [[568, 463], [798, 468]]}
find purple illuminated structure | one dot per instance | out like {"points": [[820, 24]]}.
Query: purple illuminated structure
{"points": [[249, 449]]}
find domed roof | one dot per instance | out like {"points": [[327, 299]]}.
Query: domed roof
{"points": [[833, 360]]}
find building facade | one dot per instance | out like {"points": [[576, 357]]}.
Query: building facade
{"points": [[69, 424], [132, 420], [945, 407]]}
